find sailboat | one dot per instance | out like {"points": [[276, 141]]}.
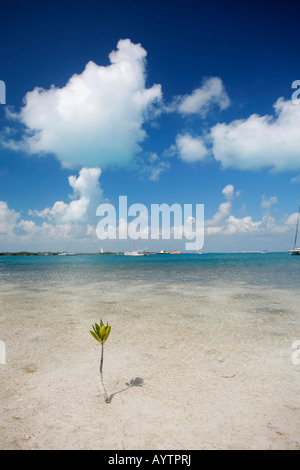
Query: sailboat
{"points": [[296, 250], [133, 252]]}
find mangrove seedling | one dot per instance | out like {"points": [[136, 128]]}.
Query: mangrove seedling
{"points": [[101, 334]]}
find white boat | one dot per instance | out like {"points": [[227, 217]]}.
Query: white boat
{"points": [[296, 250], [133, 252]]}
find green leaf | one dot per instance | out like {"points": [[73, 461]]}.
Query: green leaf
{"points": [[107, 331], [95, 336], [102, 332], [94, 329]]}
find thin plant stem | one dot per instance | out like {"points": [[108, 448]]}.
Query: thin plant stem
{"points": [[101, 376]]}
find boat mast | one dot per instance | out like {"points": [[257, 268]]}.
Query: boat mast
{"points": [[296, 235]]}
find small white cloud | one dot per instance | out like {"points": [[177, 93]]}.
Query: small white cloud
{"points": [[296, 179], [266, 203], [156, 171], [150, 166], [228, 191], [170, 152], [201, 100], [191, 149]]}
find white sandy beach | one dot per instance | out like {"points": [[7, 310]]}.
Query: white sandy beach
{"points": [[225, 381]]}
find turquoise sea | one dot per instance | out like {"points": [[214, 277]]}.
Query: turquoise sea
{"points": [[270, 270]]}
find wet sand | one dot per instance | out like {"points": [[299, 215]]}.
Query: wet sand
{"points": [[185, 367]]}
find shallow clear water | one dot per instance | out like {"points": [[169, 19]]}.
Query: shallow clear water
{"points": [[272, 270], [238, 288]]}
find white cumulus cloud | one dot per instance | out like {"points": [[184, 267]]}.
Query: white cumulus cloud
{"points": [[87, 195], [97, 118], [260, 141], [8, 218], [224, 223]]}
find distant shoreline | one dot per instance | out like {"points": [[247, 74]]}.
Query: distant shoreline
{"points": [[48, 253]]}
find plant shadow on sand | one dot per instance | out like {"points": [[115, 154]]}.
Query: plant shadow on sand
{"points": [[137, 382]]}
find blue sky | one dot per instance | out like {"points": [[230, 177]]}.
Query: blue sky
{"points": [[182, 102]]}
